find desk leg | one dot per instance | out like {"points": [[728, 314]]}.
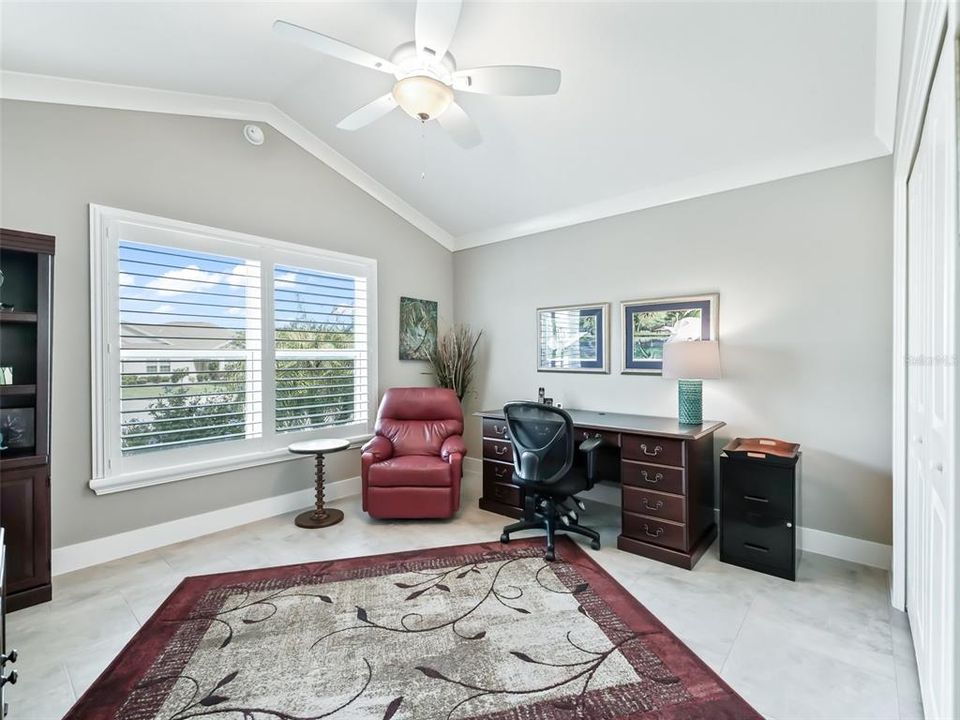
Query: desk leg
{"points": [[320, 516]]}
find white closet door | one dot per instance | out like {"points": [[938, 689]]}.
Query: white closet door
{"points": [[932, 494]]}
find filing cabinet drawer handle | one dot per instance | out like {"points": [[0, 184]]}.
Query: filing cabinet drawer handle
{"points": [[656, 478], [656, 451], [655, 508], [646, 530], [501, 472], [757, 548], [500, 450], [754, 498]]}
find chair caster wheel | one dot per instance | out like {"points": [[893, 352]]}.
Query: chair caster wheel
{"points": [[594, 544], [549, 555], [504, 538]]}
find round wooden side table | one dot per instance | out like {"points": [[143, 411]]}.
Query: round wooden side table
{"points": [[319, 517]]}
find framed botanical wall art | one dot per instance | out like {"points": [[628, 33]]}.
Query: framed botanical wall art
{"points": [[418, 328], [573, 338], [648, 324]]}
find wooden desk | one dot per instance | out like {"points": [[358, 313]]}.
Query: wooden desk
{"points": [[665, 471]]}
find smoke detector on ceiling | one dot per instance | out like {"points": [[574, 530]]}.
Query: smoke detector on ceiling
{"points": [[253, 134]]}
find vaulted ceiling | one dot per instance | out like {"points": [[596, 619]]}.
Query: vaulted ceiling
{"points": [[658, 101]]}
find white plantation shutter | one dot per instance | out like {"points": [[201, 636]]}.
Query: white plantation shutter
{"points": [[320, 349], [190, 339], [213, 350]]}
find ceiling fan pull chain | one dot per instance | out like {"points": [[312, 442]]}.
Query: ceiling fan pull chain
{"points": [[423, 150]]}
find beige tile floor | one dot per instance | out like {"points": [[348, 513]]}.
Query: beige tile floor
{"points": [[827, 646]]}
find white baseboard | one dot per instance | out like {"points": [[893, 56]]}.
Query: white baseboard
{"points": [[844, 547], [93, 552]]}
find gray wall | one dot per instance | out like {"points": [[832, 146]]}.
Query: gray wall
{"points": [[803, 269], [57, 159]]}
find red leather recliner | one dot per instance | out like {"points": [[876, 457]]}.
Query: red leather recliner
{"points": [[412, 466]]}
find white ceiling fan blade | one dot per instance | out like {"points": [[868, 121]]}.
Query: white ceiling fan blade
{"points": [[460, 127], [332, 47], [435, 25], [508, 80], [368, 113]]}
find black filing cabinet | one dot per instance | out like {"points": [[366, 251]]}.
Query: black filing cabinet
{"points": [[760, 511]]}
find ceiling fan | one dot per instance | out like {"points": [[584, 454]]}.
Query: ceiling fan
{"points": [[427, 75]]}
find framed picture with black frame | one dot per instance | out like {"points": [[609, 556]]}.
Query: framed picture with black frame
{"points": [[573, 338], [647, 324]]}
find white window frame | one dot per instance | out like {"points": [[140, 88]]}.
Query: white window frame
{"points": [[114, 472]]}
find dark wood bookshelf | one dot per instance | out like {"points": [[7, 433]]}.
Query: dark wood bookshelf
{"points": [[26, 260], [18, 389], [17, 317]]}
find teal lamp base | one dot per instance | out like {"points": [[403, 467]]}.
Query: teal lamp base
{"points": [[691, 402]]}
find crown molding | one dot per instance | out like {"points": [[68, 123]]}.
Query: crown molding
{"points": [[710, 184], [69, 91]]}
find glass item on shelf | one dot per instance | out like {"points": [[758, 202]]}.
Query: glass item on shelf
{"points": [[16, 428]]}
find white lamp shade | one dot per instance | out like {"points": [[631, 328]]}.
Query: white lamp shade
{"points": [[691, 359]]}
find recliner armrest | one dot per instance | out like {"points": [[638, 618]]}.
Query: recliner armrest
{"points": [[589, 447], [379, 447], [453, 444]]}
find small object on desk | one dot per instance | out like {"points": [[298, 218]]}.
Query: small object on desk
{"points": [[540, 393], [760, 505], [320, 516], [6, 375], [691, 362]]}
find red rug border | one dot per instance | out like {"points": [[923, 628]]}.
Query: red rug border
{"points": [[731, 706]]}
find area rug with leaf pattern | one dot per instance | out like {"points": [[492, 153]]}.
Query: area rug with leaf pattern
{"points": [[473, 631]]}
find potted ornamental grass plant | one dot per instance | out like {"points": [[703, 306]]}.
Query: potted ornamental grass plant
{"points": [[455, 358]]}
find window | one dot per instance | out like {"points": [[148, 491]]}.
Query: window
{"points": [[212, 350]]}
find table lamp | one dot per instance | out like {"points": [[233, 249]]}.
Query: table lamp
{"points": [[690, 362]]}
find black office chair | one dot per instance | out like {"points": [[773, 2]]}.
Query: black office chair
{"points": [[542, 438]]}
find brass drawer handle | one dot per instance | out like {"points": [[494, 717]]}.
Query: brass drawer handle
{"points": [[499, 430], [656, 478], [501, 472], [656, 451], [500, 450], [657, 507], [646, 530]]}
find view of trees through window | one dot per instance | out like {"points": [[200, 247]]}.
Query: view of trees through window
{"points": [[198, 318]]}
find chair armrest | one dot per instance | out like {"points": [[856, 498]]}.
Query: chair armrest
{"points": [[379, 447], [589, 447], [453, 444]]}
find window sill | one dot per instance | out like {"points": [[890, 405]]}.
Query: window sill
{"points": [[159, 476]]}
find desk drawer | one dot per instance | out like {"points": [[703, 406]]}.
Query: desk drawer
{"points": [[497, 472], [655, 504], [659, 532], [506, 493], [607, 439], [653, 477], [497, 450], [662, 451], [495, 429]]}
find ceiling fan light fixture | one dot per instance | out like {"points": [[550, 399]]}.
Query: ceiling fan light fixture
{"points": [[422, 97]]}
